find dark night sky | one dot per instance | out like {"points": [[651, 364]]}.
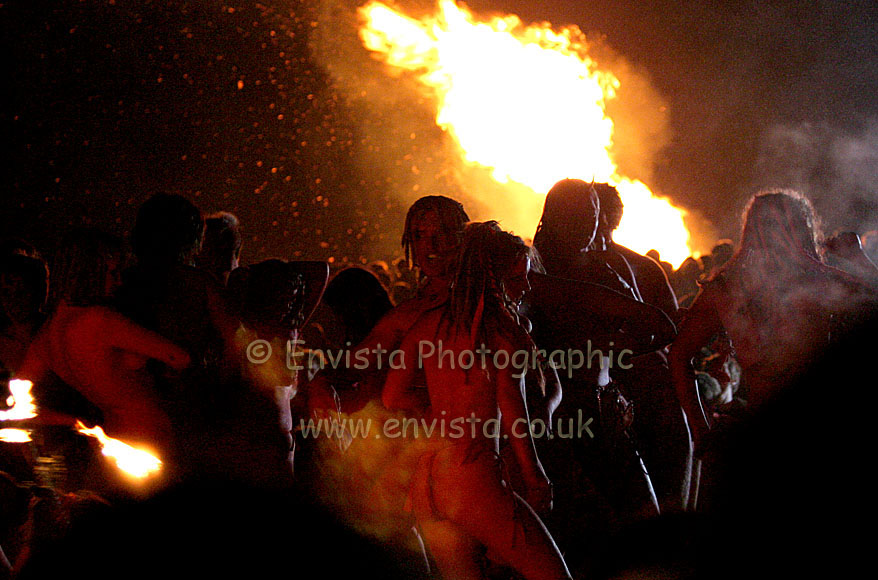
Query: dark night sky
{"points": [[108, 102]]}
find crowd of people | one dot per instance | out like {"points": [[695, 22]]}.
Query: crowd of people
{"points": [[561, 408]]}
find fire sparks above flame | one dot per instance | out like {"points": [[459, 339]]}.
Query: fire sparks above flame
{"points": [[527, 103], [21, 406], [135, 462]]}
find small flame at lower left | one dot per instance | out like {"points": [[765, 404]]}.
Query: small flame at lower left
{"points": [[21, 406], [20, 402], [14, 436]]}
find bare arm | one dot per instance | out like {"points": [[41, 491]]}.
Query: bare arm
{"points": [[702, 322], [542, 405], [119, 332], [567, 306], [36, 364], [554, 393], [516, 429], [225, 323], [654, 285]]}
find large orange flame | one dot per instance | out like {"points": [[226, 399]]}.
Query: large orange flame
{"points": [[526, 102]]}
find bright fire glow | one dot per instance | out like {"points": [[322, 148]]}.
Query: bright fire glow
{"points": [[20, 402], [14, 436], [526, 102], [135, 462], [21, 406]]}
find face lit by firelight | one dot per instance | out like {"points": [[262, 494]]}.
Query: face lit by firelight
{"points": [[433, 247], [516, 283]]}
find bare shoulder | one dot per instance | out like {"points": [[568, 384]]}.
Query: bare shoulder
{"points": [[641, 262], [93, 316], [712, 294], [425, 323]]}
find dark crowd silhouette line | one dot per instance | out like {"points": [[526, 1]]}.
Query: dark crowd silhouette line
{"points": [[663, 425]]}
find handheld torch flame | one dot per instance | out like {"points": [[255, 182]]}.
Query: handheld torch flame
{"points": [[21, 406], [526, 102], [14, 436], [135, 462]]}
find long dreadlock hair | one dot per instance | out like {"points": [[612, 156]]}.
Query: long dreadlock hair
{"points": [[780, 234], [451, 215], [568, 222], [478, 304]]}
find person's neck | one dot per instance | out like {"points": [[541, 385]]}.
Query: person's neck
{"points": [[602, 243], [436, 286]]}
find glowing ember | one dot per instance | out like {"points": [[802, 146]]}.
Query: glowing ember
{"points": [[135, 462], [527, 103]]}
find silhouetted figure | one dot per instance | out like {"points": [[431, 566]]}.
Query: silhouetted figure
{"points": [[568, 226], [706, 263], [780, 305], [100, 356], [722, 252], [166, 293], [644, 274], [685, 281], [662, 434], [666, 266], [221, 248], [358, 299], [223, 424], [602, 480], [274, 299]]}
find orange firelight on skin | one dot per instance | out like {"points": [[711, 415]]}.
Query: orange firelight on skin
{"points": [[525, 102]]}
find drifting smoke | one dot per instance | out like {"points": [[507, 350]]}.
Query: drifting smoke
{"points": [[399, 143], [832, 166]]}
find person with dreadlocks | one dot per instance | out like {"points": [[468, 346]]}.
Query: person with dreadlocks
{"points": [[431, 238], [457, 493], [433, 228], [579, 308], [779, 303], [568, 226]]}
